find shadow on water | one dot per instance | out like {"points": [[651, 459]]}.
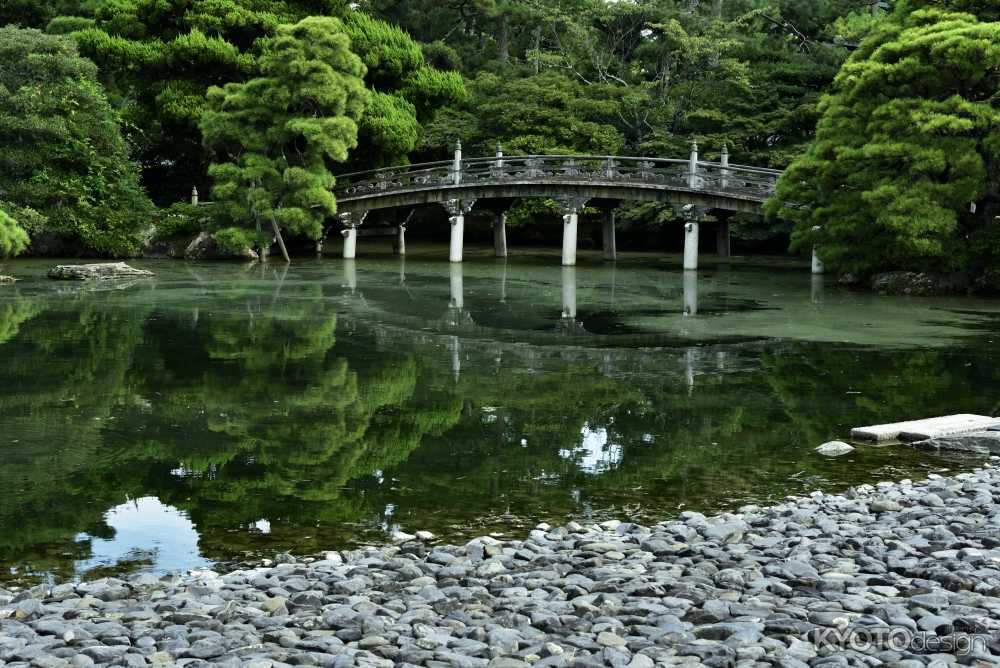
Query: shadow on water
{"points": [[218, 413]]}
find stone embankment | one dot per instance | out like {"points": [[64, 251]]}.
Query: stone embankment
{"points": [[898, 574]]}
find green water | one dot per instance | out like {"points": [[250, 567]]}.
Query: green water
{"points": [[219, 412]]}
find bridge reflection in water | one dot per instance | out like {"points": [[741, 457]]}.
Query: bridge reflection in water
{"points": [[574, 182], [456, 326]]}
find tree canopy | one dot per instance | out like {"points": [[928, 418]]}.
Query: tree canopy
{"points": [[64, 156], [903, 169], [278, 134]]}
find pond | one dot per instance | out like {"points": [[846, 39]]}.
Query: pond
{"points": [[219, 412]]}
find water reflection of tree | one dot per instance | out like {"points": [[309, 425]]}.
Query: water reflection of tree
{"points": [[242, 413], [55, 468]]}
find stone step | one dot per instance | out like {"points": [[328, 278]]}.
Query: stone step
{"points": [[919, 430]]}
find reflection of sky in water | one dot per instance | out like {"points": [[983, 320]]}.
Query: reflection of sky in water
{"points": [[147, 529], [594, 454]]}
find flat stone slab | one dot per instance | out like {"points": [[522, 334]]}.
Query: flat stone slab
{"points": [[98, 271], [977, 442], [921, 430]]}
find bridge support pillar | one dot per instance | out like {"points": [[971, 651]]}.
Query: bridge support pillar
{"points": [[817, 264], [399, 243], [457, 208], [610, 247], [351, 220], [572, 206], [500, 234], [690, 246], [723, 244]]}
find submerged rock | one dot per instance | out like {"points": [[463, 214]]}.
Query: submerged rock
{"points": [[7, 279], [918, 283], [834, 449], [98, 271], [206, 247]]}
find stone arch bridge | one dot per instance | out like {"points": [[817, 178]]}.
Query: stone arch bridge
{"points": [[573, 181]]}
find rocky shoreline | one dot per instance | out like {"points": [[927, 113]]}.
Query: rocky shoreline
{"points": [[902, 574]]}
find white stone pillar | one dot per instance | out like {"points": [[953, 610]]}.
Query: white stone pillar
{"points": [[351, 220], [817, 264], [350, 243], [569, 292], [456, 280], [570, 221], [610, 245], [693, 166], [457, 208], [690, 293], [724, 162], [690, 246], [457, 237], [457, 164], [500, 234], [572, 206], [194, 195]]}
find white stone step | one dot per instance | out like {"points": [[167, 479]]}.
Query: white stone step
{"points": [[919, 430]]}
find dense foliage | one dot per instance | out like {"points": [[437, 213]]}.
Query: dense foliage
{"points": [[903, 172], [63, 155], [883, 108], [13, 238], [278, 134]]}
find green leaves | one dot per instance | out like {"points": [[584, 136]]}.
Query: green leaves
{"points": [[13, 239], [277, 135], [64, 156], [905, 146]]}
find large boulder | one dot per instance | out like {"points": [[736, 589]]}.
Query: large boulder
{"points": [[206, 247], [918, 284], [976, 443], [99, 271]]}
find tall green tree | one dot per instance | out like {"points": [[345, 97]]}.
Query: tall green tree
{"points": [[278, 135], [158, 58], [903, 172], [64, 156]]}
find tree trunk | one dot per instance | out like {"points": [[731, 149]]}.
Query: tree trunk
{"points": [[281, 242], [717, 9]]}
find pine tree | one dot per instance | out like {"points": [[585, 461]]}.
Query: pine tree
{"points": [[276, 135], [903, 171]]}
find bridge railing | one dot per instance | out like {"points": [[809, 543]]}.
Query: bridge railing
{"points": [[675, 174]]}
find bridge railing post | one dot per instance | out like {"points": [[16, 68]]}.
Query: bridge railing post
{"points": [[724, 162], [457, 165], [693, 166]]}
